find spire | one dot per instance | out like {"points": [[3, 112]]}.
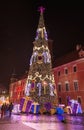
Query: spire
{"points": [[13, 77], [41, 19], [41, 31]]}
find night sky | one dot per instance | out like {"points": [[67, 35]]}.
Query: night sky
{"points": [[18, 24]]}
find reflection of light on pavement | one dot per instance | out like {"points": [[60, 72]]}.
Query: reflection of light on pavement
{"points": [[16, 117], [23, 118], [33, 118], [42, 126]]}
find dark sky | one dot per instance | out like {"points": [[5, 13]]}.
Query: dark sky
{"points": [[18, 24]]}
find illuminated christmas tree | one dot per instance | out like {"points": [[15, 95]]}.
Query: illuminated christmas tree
{"points": [[40, 85]]}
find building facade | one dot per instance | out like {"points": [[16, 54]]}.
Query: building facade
{"points": [[17, 88], [69, 77]]}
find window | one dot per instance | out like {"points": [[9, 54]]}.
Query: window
{"points": [[60, 100], [67, 86], [76, 85], [23, 93], [59, 87], [79, 100], [11, 93], [74, 69], [58, 73], [66, 71], [81, 53], [67, 99]]}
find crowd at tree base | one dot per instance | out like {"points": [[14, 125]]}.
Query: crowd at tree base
{"points": [[6, 109]]}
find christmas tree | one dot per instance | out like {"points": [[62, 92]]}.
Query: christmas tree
{"points": [[40, 85]]}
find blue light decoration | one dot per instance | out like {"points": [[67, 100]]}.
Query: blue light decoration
{"points": [[35, 108], [59, 111]]}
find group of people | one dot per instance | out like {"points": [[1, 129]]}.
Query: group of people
{"points": [[6, 109]]}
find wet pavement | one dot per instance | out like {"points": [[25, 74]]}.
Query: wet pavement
{"points": [[42, 122]]}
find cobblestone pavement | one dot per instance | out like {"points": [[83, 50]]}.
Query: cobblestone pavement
{"points": [[13, 123], [41, 122]]}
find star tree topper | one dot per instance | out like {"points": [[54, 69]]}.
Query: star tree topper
{"points": [[41, 9]]}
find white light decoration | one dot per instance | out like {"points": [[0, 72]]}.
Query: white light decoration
{"points": [[45, 56], [31, 60], [39, 48], [29, 77], [39, 86], [16, 109], [37, 73], [27, 89], [48, 57], [34, 55], [51, 89], [43, 33]]}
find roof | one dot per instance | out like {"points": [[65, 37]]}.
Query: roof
{"points": [[72, 56]]}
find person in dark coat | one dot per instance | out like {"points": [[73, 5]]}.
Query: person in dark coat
{"points": [[10, 109], [2, 110]]}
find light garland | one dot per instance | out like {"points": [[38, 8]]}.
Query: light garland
{"points": [[39, 48]]}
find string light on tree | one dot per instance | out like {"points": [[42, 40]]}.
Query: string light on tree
{"points": [[40, 85]]}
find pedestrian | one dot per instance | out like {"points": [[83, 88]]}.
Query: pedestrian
{"points": [[2, 110], [10, 109], [61, 115], [5, 109]]}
